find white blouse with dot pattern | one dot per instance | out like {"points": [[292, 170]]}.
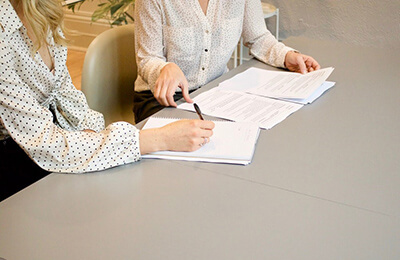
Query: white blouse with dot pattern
{"points": [[45, 114], [201, 45]]}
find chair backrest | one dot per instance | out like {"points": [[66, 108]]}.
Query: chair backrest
{"points": [[109, 72]]}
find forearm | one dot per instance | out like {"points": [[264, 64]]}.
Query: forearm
{"points": [[269, 51], [149, 40], [58, 150], [150, 69], [263, 45]]}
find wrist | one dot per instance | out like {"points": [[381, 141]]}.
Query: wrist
{"points": [[287, 56], [152, 140], [162, 139], [167, 66]]}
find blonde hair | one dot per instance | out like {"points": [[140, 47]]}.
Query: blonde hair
{"points": [[45, 16]]}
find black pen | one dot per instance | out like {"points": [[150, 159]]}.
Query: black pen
{"points": [[196, 107]]}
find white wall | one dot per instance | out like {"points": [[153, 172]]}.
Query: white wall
{"points": [[361, 22], [81, 30]]}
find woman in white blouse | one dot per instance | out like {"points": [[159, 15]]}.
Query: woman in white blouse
{"points": [[45, 123], [184, 44]]}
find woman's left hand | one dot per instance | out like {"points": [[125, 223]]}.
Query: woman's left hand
{"points": [[301, 63]]}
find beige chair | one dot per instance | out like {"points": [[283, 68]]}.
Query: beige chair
{"points": [[109, 72]]}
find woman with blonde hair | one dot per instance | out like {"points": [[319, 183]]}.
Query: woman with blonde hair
{"points": [[45, 123]]}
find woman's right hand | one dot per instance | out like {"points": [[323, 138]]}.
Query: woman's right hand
{"points": [[171, 78], [183, 135]]}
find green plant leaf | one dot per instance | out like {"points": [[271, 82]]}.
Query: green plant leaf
{"points": [[116, 11], [115, 8]]}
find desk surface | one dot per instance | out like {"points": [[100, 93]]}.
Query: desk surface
{"points": [[323, 184]]}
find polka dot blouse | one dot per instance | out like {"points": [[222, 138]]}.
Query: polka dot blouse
{"points": [[45, 114], [201, 45]]}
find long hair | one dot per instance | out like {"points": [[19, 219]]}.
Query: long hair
{"points": [[45, 16]]}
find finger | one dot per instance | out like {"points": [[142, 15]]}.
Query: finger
{"points": [[156, 92], [163, 93], [312, 63], [200, 124], [200, 142], [309, 65], [316, 65], [203, 141], [204, 133], [309, 62], [185, 91], [301, 64], [170, 95], [207, 125], [159, 90]]}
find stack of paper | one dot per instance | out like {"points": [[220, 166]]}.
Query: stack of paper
{"points": [[261, 96], [289, 86], [231, 143]]}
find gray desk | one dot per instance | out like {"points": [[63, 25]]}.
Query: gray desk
{"points": [[324, 184]]}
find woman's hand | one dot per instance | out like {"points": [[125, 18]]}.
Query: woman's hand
{"points": [[183, 135], [298, 62], [171, 77]]}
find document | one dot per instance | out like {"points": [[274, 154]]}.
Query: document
{"points": [[278, 84], [243, 107], [317, 93], [261, 96], [231, 142]]}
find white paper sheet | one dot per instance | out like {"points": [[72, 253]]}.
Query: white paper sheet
{"points": [[277, 84], [242, 107], [317, 93], [231, 143]]}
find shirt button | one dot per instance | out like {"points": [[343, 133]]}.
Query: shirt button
{"points": [[203, 68], [206, 50], [207, 31]]}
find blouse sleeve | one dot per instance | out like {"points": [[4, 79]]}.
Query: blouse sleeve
{"points": [[263, 45], [74, 98], [53, 148], [149, 40]]}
